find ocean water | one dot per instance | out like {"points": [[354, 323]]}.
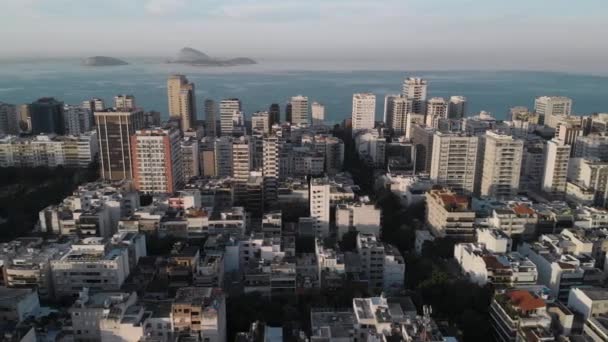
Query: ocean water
{"points": [[260, 85]]}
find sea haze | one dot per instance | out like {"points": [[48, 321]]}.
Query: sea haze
{"points": [[260, 85]]}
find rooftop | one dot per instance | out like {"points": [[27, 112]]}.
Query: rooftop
{"points": [[525, 300]]}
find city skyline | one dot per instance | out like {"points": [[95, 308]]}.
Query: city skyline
{"points": [[448, 33]]}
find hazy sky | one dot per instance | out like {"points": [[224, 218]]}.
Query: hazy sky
{"points": [[445, 33]]}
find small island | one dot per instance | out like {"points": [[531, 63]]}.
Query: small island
{"points": [[103, 61], [192, 56]]}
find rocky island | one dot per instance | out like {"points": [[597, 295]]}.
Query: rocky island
{"points": [[192, 56], [103, 61]]}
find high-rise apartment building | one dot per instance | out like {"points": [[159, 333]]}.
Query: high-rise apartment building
{"points": [[271, 167], [25, 118], [94, 105], [553, 109], [47, 116], [414, 88], [49, 150], [364, 111], [422, 138], [557, 157], [501, 165], [454, 161], [9, 120], [568, 131], [223, 156], [591, 146], [318, 114], [299, 110], [388, 116], [190, 158], [436, 110], [157, 160], [398, 110], [207, 156], [210, 118], [182, 101], [457, 107], [114, 130], [124, 102], [242, 161], [260, 123], [228, 109], [288, 108], [77, 120], [275, 114], [319, 205]]}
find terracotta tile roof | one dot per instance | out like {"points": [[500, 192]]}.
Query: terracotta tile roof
{"points": [[522, 209], [525, 301], [454, 199]]}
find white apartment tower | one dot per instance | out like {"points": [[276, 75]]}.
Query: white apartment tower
{"points": [[228, 109], [271, 166], [398, 111], [414, 88], [94, 105], [124, 102], [318, 114], [457, 107], [388, 100], [553, 109], [260, 123], [557, 157], [436, 109], [242, 161], [364, 111], [182, 101], [157, 160], [501, 165], [299, 110], [319, 206], [454, 161]]}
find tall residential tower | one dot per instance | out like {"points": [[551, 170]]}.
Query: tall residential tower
{"points": [[182, 101]]}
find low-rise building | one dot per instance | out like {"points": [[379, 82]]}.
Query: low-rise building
{"points": [[18, 304], [332, 326], [410, 189], [558, 268], [588, 301], [515, 219], [200, 312], [89, 309], [26, 263], [381, 265], [449, 215], [380, 319], [494, 240], [93, 263], [517, 309], [360, 216], [501, 269]]}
